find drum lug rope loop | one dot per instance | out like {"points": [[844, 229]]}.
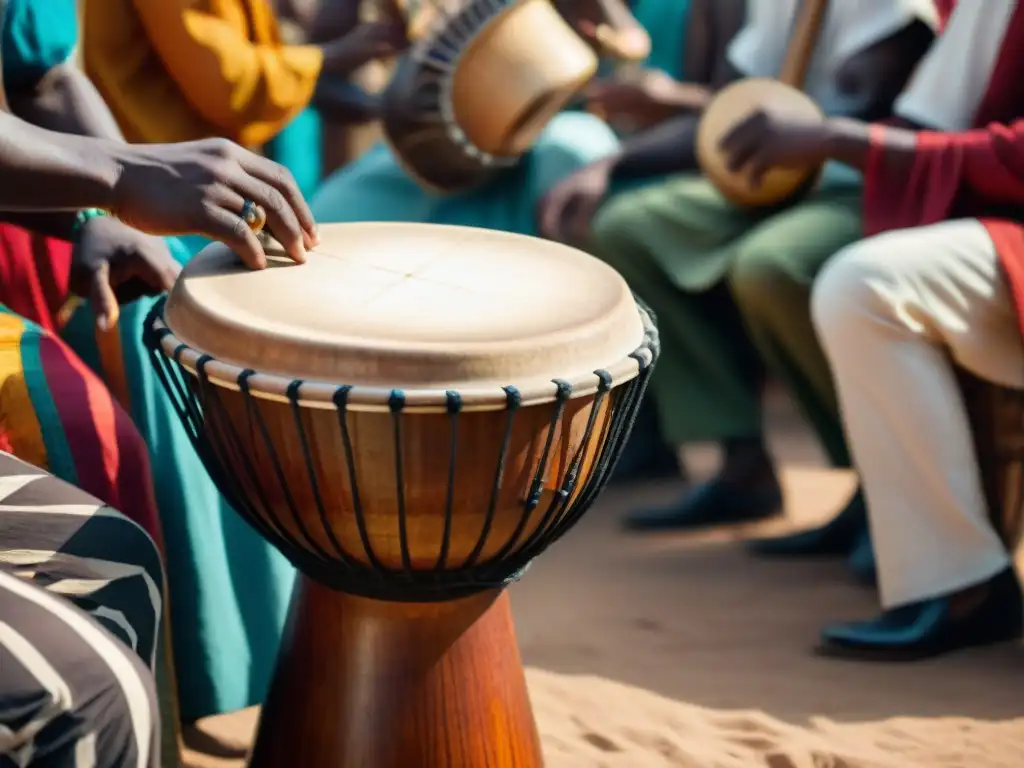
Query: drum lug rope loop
{"points": [[340, 399], [534, 545], [564, 391], [229, 445], [453, 405], [230, 485], [625, 414], [512, 402], [256, 417], [396, 402], [259, 517], [292, 393]]}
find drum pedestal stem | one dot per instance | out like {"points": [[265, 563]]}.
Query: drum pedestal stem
{"points": [[370, 684]]}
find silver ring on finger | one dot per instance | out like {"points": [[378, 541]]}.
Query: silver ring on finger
{"points": [[254, 216]]}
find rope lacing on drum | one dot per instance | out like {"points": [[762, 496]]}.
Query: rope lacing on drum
{"points": [[236, 461]]}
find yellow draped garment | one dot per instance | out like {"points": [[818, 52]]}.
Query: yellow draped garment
{"points": [[175, 70]]}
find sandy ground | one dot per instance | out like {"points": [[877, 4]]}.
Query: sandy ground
{"points": [[646, 652]]}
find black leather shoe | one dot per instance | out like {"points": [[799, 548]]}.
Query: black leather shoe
{"points": [[837, 537], [715, 502], [930, 627], [861, 561]]}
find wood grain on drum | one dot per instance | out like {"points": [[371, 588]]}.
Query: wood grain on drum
{"points": [[367, 684]]}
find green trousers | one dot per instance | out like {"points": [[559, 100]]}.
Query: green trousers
{"points": [[731, 292]]}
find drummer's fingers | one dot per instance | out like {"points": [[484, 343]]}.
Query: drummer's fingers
{"points": [[281, 179], [281, 218], [230, 228], [102, 297], [741, 148], [757, 169], [740, 135]]}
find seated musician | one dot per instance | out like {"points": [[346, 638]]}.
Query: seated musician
{"points": [[231, 588], [101, 561], [376, 188], [653, 102], [938, 284], [720, 279]]}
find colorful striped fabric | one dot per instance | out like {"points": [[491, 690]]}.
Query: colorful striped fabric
{"points": [[56, 414]]}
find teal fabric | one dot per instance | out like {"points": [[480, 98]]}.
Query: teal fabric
{"points": [[299, 148], [229, 588], [666, 21], [375, 188], [37, 35]]}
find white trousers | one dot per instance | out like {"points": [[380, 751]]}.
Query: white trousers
{"points": [[891, 311]]}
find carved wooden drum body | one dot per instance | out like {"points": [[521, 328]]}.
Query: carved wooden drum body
{"points": [[411, 417], [473, 93]]}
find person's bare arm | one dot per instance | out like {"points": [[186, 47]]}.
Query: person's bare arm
{"points": [[45, 170], [66, 102]]}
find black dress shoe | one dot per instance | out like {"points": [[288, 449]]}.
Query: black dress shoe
{"points": [[861, 561], [716, 502], [837, 537], [930, 627]]}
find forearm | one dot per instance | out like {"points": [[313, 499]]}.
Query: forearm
{"points": [[66, 101], [665, 148], [852, 142], [47, 171]]}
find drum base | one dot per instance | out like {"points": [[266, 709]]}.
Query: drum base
{"points": [[368, 684]]}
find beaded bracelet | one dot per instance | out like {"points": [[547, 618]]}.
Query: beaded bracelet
{"points": [[82, 217]]}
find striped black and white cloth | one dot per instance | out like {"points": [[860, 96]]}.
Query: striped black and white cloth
{"points": [[81, 591]]}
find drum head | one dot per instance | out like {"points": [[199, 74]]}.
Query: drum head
{"points": [[412, 306]]}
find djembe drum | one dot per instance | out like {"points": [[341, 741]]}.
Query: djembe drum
{"points": [[478, 86], [411, 417]]}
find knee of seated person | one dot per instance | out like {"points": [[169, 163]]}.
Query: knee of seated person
{"points": [[846, 293], [759, 277], [616, 227]]}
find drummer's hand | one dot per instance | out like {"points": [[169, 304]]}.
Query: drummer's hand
{"points": [[200, 187], [113, 264], [766, 140], [566, 211]]}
